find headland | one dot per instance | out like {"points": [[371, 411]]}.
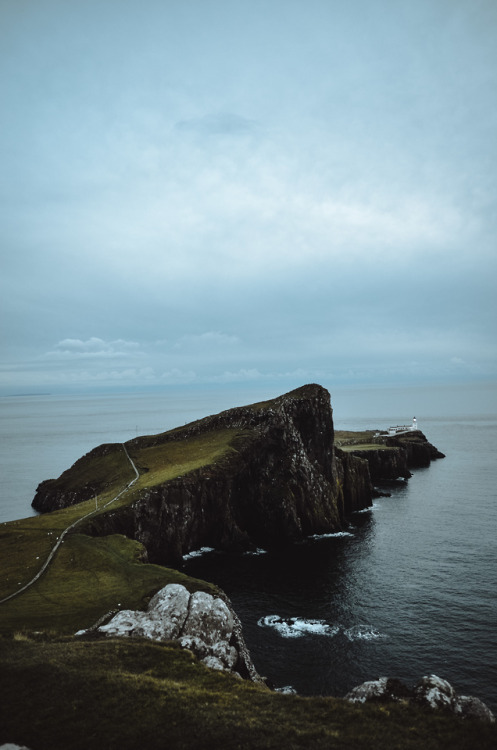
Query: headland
{"points": [[268, 474]]}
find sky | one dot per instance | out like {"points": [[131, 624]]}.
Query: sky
{"points": [[223, 192]]}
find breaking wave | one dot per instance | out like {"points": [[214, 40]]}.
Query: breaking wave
{"points": [[363, 633], [296, 627], [198, 553]]}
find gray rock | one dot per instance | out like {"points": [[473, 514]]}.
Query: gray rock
{"points": [[202, 623], [435, 692], [383, 689], [430, 691], [473, 708], [368, 691]]}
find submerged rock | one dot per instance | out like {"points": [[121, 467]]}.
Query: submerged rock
{"points": [[430, 691]]}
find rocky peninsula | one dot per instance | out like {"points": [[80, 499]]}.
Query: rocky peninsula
{"points": [[111, 647], [255, 476]]}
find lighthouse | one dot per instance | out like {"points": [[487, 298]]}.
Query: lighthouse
{"points": [[414, 424]]}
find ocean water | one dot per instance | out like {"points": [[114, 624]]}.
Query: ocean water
{"points": [[408, 589]]}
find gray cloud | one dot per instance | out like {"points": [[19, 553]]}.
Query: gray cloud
{"points": [[271, 191]]}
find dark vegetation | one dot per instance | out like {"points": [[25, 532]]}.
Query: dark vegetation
{"points": [[58, 693]]}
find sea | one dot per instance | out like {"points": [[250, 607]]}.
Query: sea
{"points": [[408, 588]]}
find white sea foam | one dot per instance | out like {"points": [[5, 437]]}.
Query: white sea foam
{"points": [[330, 536], [296, 627], [363, 633], [198, 553]]}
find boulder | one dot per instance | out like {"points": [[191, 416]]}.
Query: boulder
{"points": [[435, 692], [430, 691], [203, 623], [383, 689], [470, 707]]}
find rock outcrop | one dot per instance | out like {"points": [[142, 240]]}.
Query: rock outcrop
{"points": [[430, 691], [200, 622]]}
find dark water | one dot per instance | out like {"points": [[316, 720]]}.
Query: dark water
{"points": [[410, 591]]}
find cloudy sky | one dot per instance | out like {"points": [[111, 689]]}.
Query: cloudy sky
{"points": [[224, 191]]}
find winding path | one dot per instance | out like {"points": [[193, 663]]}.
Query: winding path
{"points": [[72, 526]]}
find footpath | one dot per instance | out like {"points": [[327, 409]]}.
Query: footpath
{"points": [[71, 527]]}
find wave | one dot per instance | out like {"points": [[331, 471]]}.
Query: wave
{"points": [[296, 627], [198, 553], [363, 633], [330, 536]]}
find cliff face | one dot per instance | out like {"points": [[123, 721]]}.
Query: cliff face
{"points": [[277, 479], [279, 482], [385, 464], [391, 457], [419, 452]]}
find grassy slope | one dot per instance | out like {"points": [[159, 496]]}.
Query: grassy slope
{"points": [[135, 694], [89, 576]]}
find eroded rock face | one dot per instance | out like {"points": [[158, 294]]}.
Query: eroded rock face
{"points": [[430, 691], [200, 622]]}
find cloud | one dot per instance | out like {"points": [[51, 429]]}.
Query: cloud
{"points": [[192, 180], [92, 348]]}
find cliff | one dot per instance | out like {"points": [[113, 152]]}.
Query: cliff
{"points": [[253, 476], [389, 457], [259, 475]]}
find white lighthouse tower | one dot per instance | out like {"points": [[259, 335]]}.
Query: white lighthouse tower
{"points": [[414, 424]]}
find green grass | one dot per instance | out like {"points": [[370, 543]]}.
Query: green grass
{"points": [[87, 578], [26, 544], [164, 461], [58, 694]]}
